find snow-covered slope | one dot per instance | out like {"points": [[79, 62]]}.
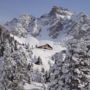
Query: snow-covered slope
{"points": [[47, 54]]}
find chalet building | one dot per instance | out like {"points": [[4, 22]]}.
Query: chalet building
{"points": [[46, 46]]}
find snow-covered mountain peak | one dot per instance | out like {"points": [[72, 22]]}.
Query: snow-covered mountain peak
{"points": [[51, 26], [81, 18], [24, 18], [60, 12]]}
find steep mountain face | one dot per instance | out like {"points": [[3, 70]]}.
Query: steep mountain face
{"points": [[20, 26], [51, 23], [55, 25], [27, 66]]}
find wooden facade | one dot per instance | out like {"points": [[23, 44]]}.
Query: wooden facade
{"points": [[46, 46]]}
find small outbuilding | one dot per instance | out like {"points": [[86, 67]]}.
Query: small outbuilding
{"points": [[46, 46]]}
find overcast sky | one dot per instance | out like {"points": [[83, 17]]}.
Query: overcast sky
{"points": [[10, 9]]}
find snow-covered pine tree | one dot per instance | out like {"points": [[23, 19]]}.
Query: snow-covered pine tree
{"points": [[72, 72], [14, 68]]}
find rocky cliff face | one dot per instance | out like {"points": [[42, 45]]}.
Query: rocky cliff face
{"points": [[57, 22], [53, 23]]}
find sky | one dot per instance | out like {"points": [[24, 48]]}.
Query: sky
{"points": [[10, 9]]}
